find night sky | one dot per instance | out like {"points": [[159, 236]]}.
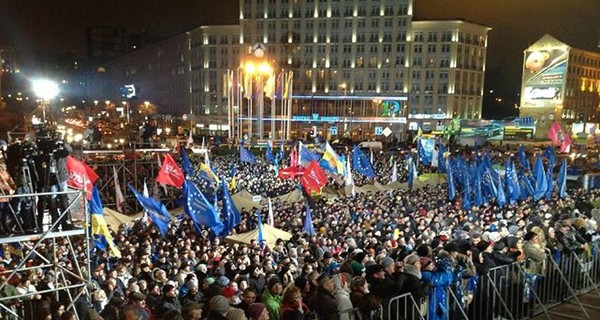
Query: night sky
{"points": [[59, 25]]}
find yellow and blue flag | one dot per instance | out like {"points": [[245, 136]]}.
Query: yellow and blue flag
{"points": [[100, 232], [331, 161]]}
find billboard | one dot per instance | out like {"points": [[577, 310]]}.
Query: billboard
{"points": [[544, 74], [517, 129]]}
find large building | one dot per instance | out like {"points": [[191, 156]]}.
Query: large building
{"points": [[560, 83], [357, 67]]}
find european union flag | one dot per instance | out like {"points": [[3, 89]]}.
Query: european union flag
{"points": [[260, 238], [467, 192], [306, 156], [269, 154], [231, 212], [186, 164], [412, 173], [200, 210], [362, 164], [156, 211], [478, 183], [246, 156], [523, 159], [424, 155], [512, 182], [526, 186], [541, 180], [562, 179], [308, 223], [451, 186]]}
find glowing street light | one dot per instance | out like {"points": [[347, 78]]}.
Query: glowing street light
{"points": [[46, 90], [260, 70]]}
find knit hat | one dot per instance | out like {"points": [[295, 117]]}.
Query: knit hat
{"points": [[357, 268], [168, 287], [138, 296], [255, 310], [228, 292], [235, 314], [411, 259], [386, 262], [323, 279], [219, 304], [373, 269], [209, 280], [223, 281], [482, 245], [300, 283]]}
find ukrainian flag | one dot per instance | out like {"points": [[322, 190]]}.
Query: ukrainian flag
{"points": [[332, 161], [102, 236]]}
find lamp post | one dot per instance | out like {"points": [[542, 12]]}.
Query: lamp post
{"points": [[45, 90], [258, 70]]}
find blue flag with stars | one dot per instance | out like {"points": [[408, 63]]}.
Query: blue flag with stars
{"points": [[269, 154], [246, 156], [200, 210], [186, 164], [231, 213], [156, 211], [361, 164], [562, 180], [308, 223]]}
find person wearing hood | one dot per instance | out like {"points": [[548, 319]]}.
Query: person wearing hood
{"points": [[169, 300], [342, 295], [271, 297], [324, 303]]}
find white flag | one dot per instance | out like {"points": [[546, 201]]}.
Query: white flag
{"points": [[190, 140], [372, 163], [146, 193], [395, 172], [206, 159], [270, 218], [118, 193], [349, 179], [434, 158]]}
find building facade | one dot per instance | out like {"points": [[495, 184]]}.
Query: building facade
{"points": [[357, 67], [560, 83]]}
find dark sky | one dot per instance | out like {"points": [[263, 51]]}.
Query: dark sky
{"points": [[58, 25]]}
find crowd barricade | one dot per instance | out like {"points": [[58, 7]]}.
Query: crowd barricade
{"points": [[513, 292], [405, 307]]}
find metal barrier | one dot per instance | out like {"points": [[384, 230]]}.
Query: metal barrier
{"points": [[405, 307], [70, 279], [513, 292]]}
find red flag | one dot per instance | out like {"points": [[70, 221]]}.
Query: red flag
{"points": [[559, 137], [81, 176], [170, 173], [313, 178], [293, 158], [291, 172]]}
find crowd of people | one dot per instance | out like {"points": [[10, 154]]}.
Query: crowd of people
{"points": [[368, 248]]}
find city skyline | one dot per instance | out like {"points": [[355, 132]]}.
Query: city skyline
{"points": [[515, 24]]}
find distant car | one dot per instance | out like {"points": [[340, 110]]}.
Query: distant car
{"points": [[490, 130]]}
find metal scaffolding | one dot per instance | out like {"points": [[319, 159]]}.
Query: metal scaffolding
{"points": [[69, 282]]}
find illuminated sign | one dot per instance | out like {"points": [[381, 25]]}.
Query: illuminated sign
{"points": [[427, 116], [544, 74], [378, 131], [390, 108], [542, 93]]}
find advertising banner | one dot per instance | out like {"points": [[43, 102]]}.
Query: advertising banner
{"points": [[544, 74]]}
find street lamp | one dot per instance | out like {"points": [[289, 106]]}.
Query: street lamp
{"points": [[45, 90], [260, 69]]}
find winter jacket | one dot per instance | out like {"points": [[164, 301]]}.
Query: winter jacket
{"points": [[325, 305], [273, 304]]}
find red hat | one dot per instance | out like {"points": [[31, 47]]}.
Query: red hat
{"points": [[228, 292]]}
